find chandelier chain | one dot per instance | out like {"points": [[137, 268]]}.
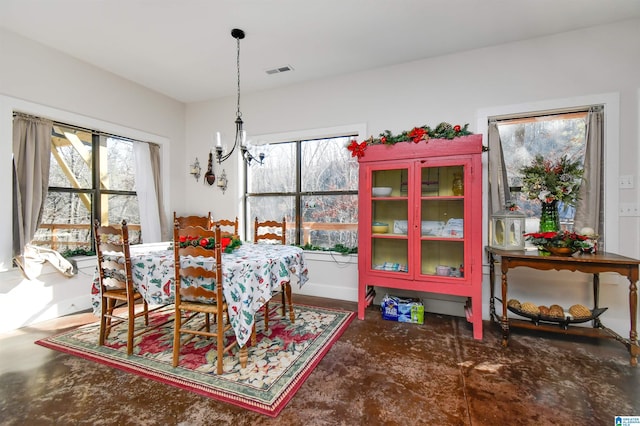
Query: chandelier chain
{"points": [[238, 113]]}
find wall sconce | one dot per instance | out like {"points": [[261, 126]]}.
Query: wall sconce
{"points": [[222, 181], [194, 169]]}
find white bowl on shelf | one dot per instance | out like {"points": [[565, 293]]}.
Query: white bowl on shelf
{"points": [[381, 191]]}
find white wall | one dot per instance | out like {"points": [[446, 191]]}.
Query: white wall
{"points": [[595, 63], [40, 81]]}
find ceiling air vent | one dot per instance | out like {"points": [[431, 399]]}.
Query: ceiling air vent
{"points": [[277, 70]]}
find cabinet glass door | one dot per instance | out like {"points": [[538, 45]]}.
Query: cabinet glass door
{"points": [[389, 221], [441, 221]]}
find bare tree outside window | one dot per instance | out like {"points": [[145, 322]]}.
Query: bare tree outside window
{"points": [[552, 136], [92, 175], [313, 180]]}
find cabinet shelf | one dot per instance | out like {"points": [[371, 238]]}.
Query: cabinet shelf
{"points": [[390, 236], [430, 238], [442, 198]]}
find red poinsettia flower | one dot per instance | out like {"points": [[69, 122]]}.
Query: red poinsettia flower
{"points": [[224, 242], [417, 134], [383, 139], [183, 238], [457, 128], [357, 149]]}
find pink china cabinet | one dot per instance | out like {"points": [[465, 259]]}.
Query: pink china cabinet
{"points": [[420, 221]]}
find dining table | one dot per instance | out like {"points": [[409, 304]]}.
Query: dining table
{"points": [[251, 274]]}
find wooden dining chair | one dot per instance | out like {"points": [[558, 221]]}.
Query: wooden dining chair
{"points": [[194, 220], [230, 227], [116, 283], [273, 232], [198, 292]]}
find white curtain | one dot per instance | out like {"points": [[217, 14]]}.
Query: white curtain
{"points": [[499, 192], [590, 208], [146, 189], [31, 159]]}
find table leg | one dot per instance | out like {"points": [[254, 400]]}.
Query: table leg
{"points": [[596, 298], [504, 321], [634, 349], [244, 356], [492, 276]]}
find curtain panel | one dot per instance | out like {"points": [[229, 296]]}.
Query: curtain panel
{"points": [[31, 159]]}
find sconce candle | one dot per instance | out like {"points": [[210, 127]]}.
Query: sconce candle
{"points": [[194, 169]]}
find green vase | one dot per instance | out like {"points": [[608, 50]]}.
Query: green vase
{"points": [[549, 217]]}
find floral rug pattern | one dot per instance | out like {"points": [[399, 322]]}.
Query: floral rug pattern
{"points": [[278, 364]]}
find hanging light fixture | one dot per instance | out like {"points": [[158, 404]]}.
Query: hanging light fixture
{"points": [[248, 157], [240, 135]]}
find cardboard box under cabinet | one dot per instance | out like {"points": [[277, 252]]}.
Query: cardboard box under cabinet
{"points": [[402, 309]]}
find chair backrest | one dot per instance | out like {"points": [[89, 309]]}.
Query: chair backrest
{"points": [[203, 221], [193, 281], [270, 231], [114, 257], [229, 226]]}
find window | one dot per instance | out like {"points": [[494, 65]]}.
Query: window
{"points": [[552, 136], [313, 184], [91, 175]]}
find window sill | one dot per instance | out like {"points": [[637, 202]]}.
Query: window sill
{"points": [[330, 256]]}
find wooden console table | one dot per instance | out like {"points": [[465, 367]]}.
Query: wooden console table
{"points": [[587, 263]]}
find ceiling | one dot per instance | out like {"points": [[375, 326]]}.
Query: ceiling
{"points": [[184, 48]]}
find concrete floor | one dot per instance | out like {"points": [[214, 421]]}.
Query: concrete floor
{"points": [[378, 373]]}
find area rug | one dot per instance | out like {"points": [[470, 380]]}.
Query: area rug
{"points": [[278, 364]]}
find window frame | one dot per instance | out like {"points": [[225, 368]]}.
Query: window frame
{"points": [[96, 192], [537, 116], [355, 131], [611, 103]]}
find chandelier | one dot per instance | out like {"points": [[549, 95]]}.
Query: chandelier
{"points": [[240, 138]]}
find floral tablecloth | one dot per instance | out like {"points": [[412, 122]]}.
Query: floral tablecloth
{"points": [[250, 275]]}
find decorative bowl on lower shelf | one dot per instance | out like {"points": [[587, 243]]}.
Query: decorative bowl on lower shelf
{"points": [[564, 320]]}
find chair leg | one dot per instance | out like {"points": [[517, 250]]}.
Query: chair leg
{"points": [[284, 300], [131, 308], [221, 341], [146, 312], [287, 289], [103, 322], [111, 304], [266, 317], [177, 324]]}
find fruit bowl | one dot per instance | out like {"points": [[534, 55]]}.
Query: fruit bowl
{"points": [[381, 191]]}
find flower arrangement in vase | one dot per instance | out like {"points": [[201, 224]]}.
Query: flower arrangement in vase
{"points": [[550, 182]]}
